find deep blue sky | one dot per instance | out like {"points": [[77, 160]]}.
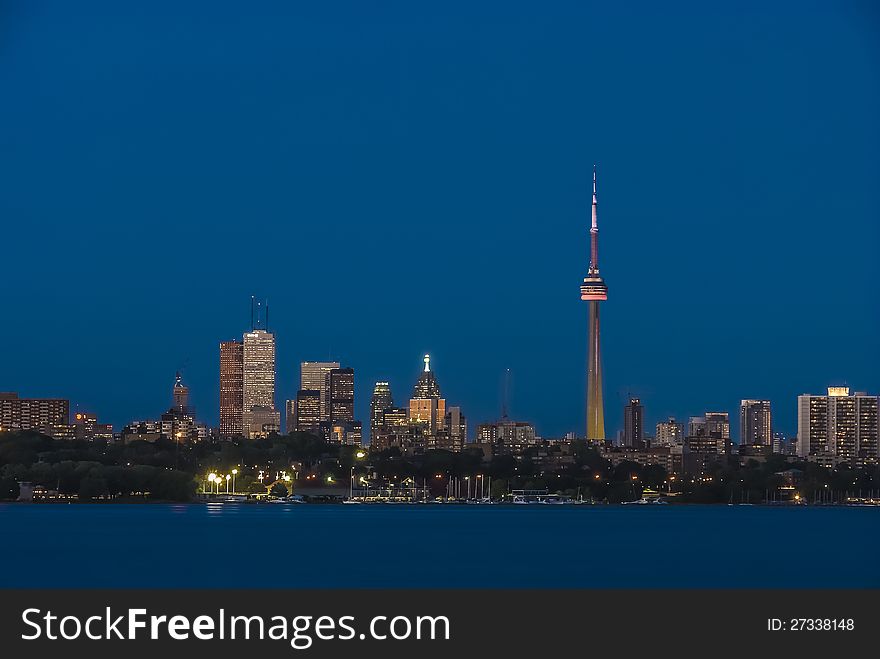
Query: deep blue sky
{"points": [[402, 177]]}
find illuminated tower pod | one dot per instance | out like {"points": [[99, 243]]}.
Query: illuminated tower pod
{"points": [[594, 291]]}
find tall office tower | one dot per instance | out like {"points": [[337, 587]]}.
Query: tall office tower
{"points": [[380, 401], [341, 382], [290, 416], [308, 411], [180, 395], [754, 423], [634, 424], [594, 291], [456, 425], [315, 376], [231, 389], [426, 404], [259, 377], [839, 425], [33, 413], [670, 433]]}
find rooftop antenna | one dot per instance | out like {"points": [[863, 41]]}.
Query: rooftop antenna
{"points": [[267, 314], [252, 313]]}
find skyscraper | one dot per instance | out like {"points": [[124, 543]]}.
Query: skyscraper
{"points": [[594, 291], [426, 404], [180, 395], [341, 395], [634, 424], [308, 411], [754, 423], [231, 389], [315, 376], [290, 416], [840, 426], [259, 378], [380, 401]]}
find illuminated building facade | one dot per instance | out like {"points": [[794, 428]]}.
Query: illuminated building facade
{"points": [[380, 401], [308, 411], [839, 425], [506, 437], [315, 376], [669, 433], [709, 433], [40, 414], [755, 426], [231, 389], [341, 382], [259, 383], [594, 291], [426, 406]]}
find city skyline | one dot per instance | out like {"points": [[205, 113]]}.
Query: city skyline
{"points": [[395, 197]]}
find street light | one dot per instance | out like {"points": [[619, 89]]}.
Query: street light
{"points": [[227, 483], [234, 472], [211, 478]]}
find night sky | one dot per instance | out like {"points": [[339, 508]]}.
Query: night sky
{"points": [[401, 178]]}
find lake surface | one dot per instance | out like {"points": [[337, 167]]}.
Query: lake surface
{"points": [[424, 546]]}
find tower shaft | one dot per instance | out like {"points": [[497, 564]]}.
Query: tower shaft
{"points": [[595, 408]]}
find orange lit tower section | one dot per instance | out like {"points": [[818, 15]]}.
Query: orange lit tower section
{"points": [[594, 291]]}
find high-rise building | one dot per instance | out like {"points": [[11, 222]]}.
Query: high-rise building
{"points": [[308, 411], [634, 424], [839, 425], [341, 395], [379, 402], [41, 414], [231, 389], [290, 416], [718, 425], [755, 426], [456, 426], [594, 291], [180, 395], [426, 406], [670, 433], [259, 380], [315, 376]]}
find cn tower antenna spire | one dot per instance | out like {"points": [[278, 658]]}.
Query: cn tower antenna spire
{"points": [[594, 230]]}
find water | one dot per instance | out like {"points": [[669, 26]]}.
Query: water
{"points": [[333, 546]]}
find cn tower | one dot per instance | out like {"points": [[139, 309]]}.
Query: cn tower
{"points": [[594, 291]]}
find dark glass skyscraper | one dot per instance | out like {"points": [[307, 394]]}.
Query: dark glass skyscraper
{"points": [[634, 424], [341, 395], [380, 401]]}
